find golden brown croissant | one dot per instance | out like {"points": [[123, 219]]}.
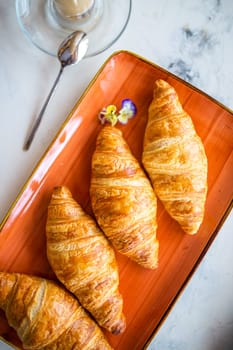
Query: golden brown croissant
{"points": [[47, 317], [83, 260], [123, 200], [174, 158]]}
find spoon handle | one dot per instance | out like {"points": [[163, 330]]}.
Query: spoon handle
{"points": [[39, 117]]}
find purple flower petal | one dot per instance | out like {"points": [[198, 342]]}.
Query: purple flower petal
{"points": [[127, 103]]}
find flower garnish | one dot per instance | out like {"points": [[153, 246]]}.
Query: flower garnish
{"points": [[109, 114], [127, 111]]}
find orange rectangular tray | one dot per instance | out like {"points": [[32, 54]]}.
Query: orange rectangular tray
{"points": [[148, 295]]}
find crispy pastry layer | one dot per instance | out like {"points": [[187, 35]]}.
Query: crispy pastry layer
{"points": [[123, 200], [175, 159], [83, 260], [46, 317]]}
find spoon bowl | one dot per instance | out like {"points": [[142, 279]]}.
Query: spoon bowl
{"points": [[71, 51], [73, 48]]}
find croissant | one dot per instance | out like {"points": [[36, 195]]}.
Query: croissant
{"points": [[47, 317], [83, 260], [123, 200], [175, 159]]}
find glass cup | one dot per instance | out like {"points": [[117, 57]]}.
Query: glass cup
{"points": [[46, 23]]}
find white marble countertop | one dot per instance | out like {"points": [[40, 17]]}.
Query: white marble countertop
{"points": [[191, 38]]}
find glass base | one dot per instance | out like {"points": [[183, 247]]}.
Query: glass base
{"points": [[46, 28]]}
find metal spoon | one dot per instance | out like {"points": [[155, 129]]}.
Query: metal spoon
{"points": [[71, 51]]}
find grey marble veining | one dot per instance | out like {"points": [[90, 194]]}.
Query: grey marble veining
{"points": [[201, 45]]}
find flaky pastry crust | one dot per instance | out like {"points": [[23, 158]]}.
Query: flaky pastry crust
{"points": [[123, 200], [47, 317], [175, 159], [83, 260]]}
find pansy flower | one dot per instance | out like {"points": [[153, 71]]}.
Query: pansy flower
{"points": [[109, 114], [127, 111]]}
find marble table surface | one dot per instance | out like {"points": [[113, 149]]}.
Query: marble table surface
{"points": [[191, 38]]}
